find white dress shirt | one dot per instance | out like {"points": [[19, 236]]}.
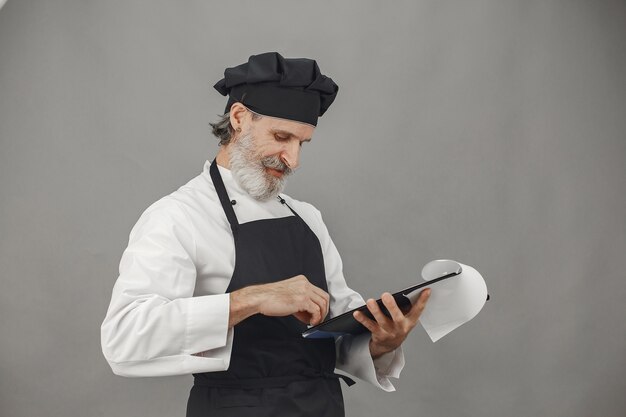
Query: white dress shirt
{"points": [[169, 311]]}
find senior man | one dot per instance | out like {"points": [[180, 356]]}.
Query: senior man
{"points": [[221, 277]]}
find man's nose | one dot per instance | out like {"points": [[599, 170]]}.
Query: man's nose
{"points": [[291, 154]]}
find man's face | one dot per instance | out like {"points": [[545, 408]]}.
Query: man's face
{"points": [[266, 152]]}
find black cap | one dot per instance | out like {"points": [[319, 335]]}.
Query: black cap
{"points": [[289, 88]]}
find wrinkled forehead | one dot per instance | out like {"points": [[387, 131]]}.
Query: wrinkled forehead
{"points": [[285, 127]]}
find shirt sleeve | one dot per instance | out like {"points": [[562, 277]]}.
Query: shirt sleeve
{"points": [[154, 326], [353, 355]]}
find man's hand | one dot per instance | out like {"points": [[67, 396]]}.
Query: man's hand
{"points": [[296, 296], [389, 333]]}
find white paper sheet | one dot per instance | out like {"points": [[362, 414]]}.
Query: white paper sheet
{"points": [[453, 301]]}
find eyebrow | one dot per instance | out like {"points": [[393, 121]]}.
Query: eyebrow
{"points": [[288, 134]]}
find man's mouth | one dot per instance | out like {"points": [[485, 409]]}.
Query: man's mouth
{"points": [[274, 172]]}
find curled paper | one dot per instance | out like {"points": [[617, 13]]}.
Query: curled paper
{"points": [[452, 301]]}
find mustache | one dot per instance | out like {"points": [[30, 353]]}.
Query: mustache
{"points": [[275, 162]]}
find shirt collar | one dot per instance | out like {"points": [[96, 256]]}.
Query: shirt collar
{"points": [[227, 176]]}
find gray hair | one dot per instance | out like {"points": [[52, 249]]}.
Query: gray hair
{"points": [[223, 130]]}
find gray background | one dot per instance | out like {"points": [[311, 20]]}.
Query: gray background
{"points": [[490, 132]]}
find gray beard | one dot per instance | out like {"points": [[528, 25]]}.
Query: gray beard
{"points": [[249, 170]]}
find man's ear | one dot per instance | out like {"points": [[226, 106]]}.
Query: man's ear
{"points": [[237, 116]]}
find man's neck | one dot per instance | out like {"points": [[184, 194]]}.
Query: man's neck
{"points": [[223, 157]]}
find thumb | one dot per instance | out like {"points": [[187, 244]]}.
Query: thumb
{"points": [[419, 306]]}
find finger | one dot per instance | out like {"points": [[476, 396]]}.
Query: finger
{"points": [[318, 290], [316, 314], [418, 307], [324, 296], [321, 303], [372, 306], [392, 306], [370, 325], [303, 316], [309, 294]]}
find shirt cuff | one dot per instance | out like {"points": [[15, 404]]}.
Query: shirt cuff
{"points": [[207, 322], [390, 364], [354, 358]]}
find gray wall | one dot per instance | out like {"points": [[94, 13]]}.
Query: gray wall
{"points": [[490, 132]]}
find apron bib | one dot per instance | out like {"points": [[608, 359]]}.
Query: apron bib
{"points": [[273, 370]]}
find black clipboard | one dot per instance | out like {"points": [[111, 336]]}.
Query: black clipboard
{"points": [[346, 323]]}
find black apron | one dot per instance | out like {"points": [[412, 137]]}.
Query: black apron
{"points": [[273, 370]]}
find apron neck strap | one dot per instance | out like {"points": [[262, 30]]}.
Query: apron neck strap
{"points": [[282, 201], [227, 205]]}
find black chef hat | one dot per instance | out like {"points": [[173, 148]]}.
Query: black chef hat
{"points": [[289, 88]]}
